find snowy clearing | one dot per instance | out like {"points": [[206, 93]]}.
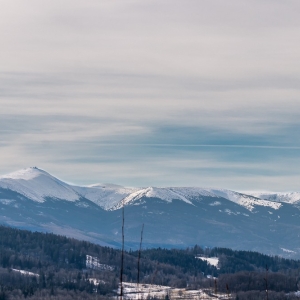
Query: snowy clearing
{"points": [[214, 261], [94, 263], [131, 291]]}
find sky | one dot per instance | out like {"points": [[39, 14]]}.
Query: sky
{"points": [[153, 93]]}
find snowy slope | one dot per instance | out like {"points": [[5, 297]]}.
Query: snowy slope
{"points": [[247, 201], [173, 216], [165, 194], [37, 184], [106, 196], [190, 194], [290, 197]]}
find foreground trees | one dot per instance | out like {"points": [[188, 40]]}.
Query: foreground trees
{"points": [[60, 271]]}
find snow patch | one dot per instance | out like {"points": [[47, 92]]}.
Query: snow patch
{"points": [[93, 262], [287, 250], [214, 261], [96, 281], [6, 201], [25, 272], [145, 291], [288, 197]]}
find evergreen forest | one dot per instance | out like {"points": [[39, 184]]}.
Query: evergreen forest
{"points": [[36, 265]]}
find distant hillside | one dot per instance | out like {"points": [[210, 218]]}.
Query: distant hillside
{"points": [[174, 217]]}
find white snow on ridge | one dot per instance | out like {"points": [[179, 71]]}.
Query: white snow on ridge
{"points": [[289, 197], [104, 185], [24, 174], [247, 201], [37, 184], [105, 196], [192, 192], [166, 194]]}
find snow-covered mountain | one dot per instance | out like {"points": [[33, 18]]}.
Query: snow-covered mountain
{"points": [[38, 185], [289, 197], [173, 216]]}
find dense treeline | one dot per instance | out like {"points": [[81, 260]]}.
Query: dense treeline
{"points": [[27, 249], [179, 258], [232, 261], [248, 281], [61, 271], [60, 263]]}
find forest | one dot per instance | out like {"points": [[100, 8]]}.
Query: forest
{"points": [[59, 270]]}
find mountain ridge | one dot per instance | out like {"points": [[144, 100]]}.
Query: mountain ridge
{"points": [[37, 184], [173, 216]]}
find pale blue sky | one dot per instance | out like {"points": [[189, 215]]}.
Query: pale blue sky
{"points": [[163, 93]]}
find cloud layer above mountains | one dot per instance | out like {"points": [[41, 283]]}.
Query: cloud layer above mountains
{"points": [[202, 93]]}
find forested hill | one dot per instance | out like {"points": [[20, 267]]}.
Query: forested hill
{"points": [[230, 261], [35, 265]]}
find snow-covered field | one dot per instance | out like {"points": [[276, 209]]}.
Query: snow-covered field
{"points": [[131, 291]]}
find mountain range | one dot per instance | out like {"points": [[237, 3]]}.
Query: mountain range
{"points": [[267, 222]]}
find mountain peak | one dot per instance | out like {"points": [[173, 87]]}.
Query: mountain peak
{"points": [[37, 184], [25, 174], [105, 185]]}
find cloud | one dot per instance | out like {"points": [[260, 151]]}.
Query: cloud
{"points": [[130, 87]]}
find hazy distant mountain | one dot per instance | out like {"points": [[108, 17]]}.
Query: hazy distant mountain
{"points": [[173, 216]]}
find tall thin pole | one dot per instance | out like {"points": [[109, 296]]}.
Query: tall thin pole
{"points": [[216, 287], [139, 258], [227, 288], [266, 280], [122, 255]]}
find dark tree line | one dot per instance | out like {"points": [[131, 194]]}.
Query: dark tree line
{"points": [[60, 263]]}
